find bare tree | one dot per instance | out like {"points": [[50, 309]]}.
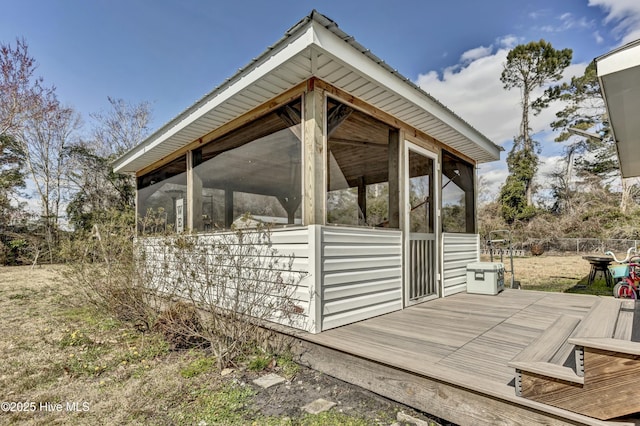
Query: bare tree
{"points": [[22, 94], [11, 178], [122, 127], [100, 191], [590, 154], [44, 140]]}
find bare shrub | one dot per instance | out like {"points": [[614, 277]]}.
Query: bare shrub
{"points": [[180, 325], [537, 249], [104, 267], [217, 288], [236, 278]]}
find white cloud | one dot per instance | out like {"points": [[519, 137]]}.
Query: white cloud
{"points": [[508, 41], [473, 90], [492, 176], [549, 165], [477, 53], [567, 22], [626, 15], [599, 39], [541, 13]]}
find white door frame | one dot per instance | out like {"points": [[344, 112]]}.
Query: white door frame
{"points": [[409, 146]]}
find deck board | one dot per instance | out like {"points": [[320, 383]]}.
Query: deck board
{"points": [[625, 320], [455, 347], [466, 339]]}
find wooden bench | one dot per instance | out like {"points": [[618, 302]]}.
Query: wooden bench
{"points": [[607, 355], [605, 327], [546, 355]]}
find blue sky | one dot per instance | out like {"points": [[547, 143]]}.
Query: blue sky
{"points": [[171, 53]]}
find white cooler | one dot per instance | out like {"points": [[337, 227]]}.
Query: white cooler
{"points": [[485, 277]]}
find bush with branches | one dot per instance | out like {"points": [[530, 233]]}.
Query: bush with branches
{"points": [[237, 279], [198, 290], [104, 267]]}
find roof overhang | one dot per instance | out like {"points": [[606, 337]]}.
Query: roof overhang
{"points": [[619, 75], [315, 47]]}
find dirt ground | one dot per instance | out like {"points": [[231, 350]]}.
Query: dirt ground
{"points": [[65, 363]]}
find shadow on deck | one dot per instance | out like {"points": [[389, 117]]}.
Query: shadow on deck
{"points": [[450, 357]]}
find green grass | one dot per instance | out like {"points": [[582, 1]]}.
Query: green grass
{"points": [[76, 338], [143, 346], [197, 367], [599, 288], [556, 285], [88, 354], [259, 362], [333, 418], [91, 317], [89, 362], [225, 406], [289, 368]]}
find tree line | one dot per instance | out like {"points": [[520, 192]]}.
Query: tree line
{"points": [[585, 196], [56, 179]]}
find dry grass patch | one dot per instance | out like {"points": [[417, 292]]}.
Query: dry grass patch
{"points": [[547, 272], [55, 348]]}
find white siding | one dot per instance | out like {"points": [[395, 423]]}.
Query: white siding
{"points": [[361, 274], [289, 246], [458, 251]]}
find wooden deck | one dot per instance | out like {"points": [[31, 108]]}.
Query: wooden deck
{"points": [[459, 347]]}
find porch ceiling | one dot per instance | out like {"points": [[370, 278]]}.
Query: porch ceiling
{"points": [[619, 74], [314, 47]]}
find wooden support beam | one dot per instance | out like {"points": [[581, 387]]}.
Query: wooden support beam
{"points": [[273, 104], [470, 211], [357, 143], [336, 117], [314, 156], [228, 208], [194, 196], [289, 115], [410, 133], [290, 205], [362, 200], [394, 178]]}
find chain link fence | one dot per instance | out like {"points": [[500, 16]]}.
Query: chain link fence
{"points": [[567, 246]]}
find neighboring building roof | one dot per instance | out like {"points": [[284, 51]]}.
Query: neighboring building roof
{"points": [[619, 75], [314, 47]]}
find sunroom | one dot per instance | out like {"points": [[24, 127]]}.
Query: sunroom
{"points": [[365, 180]]}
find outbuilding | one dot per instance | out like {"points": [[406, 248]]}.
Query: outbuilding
{"points": [[367, 180]]}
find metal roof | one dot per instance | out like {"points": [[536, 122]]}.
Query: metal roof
{"points": [[314, 47], [619, 75]]}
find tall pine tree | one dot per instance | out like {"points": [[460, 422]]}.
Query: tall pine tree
{"points": [[528, 67]]}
